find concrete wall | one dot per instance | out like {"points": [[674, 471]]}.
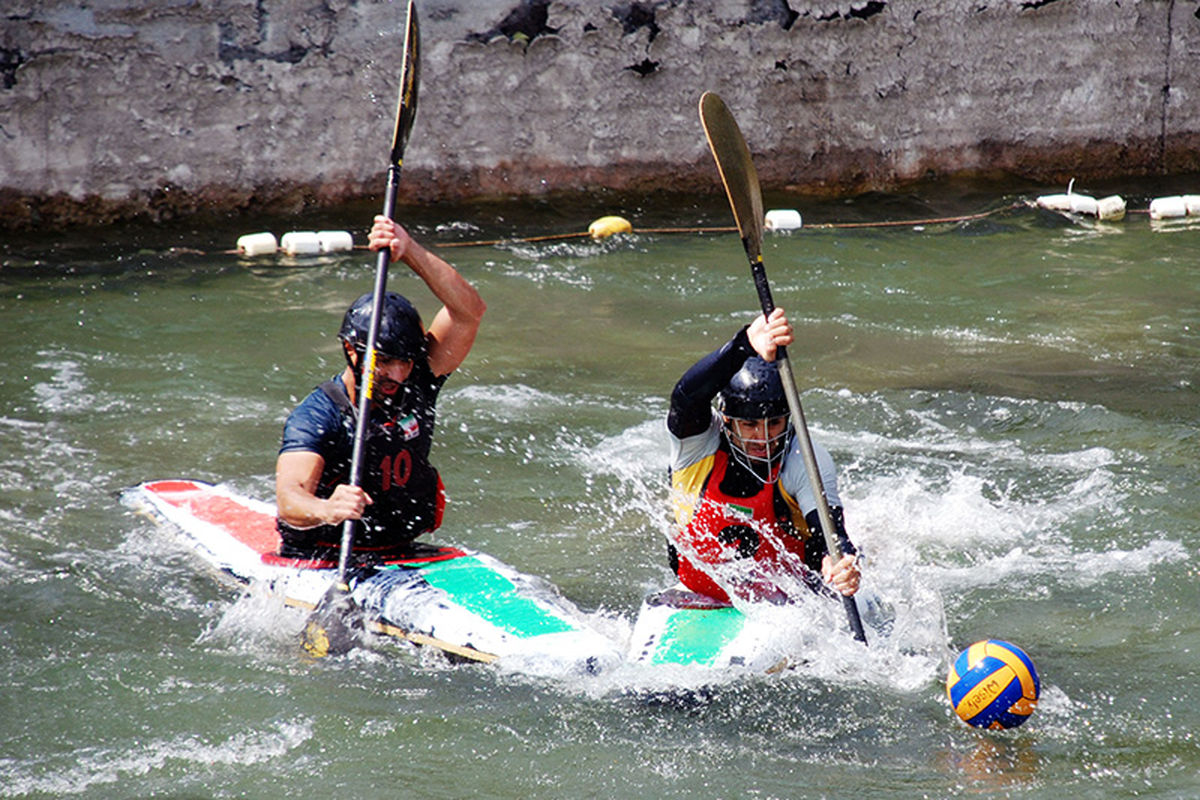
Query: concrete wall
{"points": [[120, 108]]}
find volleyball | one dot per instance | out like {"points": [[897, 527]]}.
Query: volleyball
{"points": [[993, 684]]}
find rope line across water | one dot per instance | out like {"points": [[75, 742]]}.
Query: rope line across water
{"points": [[732, 229], [553, 237]]}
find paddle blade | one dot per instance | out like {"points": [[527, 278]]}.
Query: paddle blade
{"points": [[410, 73], [729, 150], [335, 626]]}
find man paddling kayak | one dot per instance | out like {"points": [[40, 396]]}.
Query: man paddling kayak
{"points": [[402, 495], [742, 496]]}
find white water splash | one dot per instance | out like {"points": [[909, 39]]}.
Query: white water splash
{"points": [[258, 622], [906, 658], [1079, 569], [939, 501]]}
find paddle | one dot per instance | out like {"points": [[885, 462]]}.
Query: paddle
{"points": [[729, 150], [327, 630]]}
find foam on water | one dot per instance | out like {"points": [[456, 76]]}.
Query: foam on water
{"points": [[541, 273], [961, 530], [509, 402], [503, 401], [1078, 568], [90, 767], [65, 390], [634, 455]]}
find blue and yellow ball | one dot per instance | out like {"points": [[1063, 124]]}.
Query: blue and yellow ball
{"points": [[993, 684]]}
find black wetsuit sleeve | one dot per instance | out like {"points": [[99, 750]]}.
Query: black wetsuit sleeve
{"points": [[815, 549], [691, 401]]}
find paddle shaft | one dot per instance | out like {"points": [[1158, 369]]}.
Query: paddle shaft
{"points": [[368, 376], [800, 425], [406, 109]]}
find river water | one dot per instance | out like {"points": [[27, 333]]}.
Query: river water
{"points": [[1011, 401]]}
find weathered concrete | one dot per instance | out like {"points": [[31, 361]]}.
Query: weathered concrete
{"points": [[120, 108]]}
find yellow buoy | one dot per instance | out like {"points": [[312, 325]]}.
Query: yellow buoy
{"points": [[607, 226]]}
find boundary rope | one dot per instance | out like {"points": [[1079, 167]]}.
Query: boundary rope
{"points": [[732, 229], [553, 237]]}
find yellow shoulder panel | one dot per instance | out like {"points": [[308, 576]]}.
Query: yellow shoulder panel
{"points": [[686, 485]]}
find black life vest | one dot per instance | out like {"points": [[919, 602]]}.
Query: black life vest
{"points": [[407, 491]]}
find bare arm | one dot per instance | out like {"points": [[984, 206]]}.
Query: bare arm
{"points": [[297, 474], [453, 330]]}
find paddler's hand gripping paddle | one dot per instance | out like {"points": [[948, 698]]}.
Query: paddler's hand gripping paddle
{"points": [[745, 197], [328, 630]]}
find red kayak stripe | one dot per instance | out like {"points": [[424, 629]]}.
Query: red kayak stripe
{"points": [[249, 526], [256, 529]]}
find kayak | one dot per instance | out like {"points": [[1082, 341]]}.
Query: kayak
{"points": [[683, 628], [680, 627], [459, 601]]}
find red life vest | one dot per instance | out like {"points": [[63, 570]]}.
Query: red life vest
{"points": [[725, 528]]}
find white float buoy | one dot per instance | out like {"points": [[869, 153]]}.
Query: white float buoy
{"points": [[1108, 208], [335, 241], [257, 244], [1083, 204], [300, 243], [1111, 207], [782, 219], [1055, 202], [1168, 207], [1070, 202], [1192, 202]]}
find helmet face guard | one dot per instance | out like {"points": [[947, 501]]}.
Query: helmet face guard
{"points": [[756, 418], [760, 444]]}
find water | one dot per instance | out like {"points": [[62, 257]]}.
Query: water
{"points": [[1011, 403]]}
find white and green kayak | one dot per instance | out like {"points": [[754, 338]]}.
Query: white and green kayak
{"points": [[683, 628]]}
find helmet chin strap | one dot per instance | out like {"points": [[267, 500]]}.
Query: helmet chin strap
{"points": [[355, 364], [389, 403]]}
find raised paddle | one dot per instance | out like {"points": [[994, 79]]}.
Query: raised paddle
{"points": [[729, 150], [330, 629]]}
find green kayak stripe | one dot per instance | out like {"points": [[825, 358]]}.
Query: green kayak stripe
{"points": [[697, 637], [483, 591]]}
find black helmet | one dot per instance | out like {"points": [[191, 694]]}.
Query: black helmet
{"points": [[401, 334], [755, 392]]}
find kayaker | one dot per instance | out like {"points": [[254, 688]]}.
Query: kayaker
{"points": [[742, 498], [402, 494]]}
